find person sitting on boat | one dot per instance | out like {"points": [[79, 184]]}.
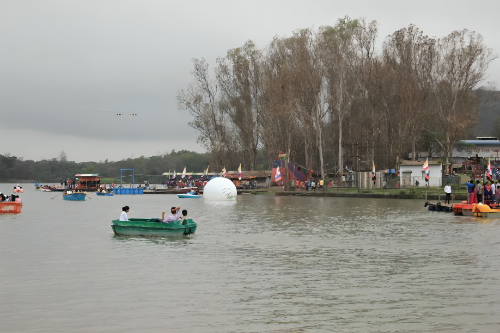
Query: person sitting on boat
{"points": [[2, 197], [124, 216], [174, 216], [184, 216]]}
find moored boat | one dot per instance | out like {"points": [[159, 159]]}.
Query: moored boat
{"points": [[74, 196], [438, 207], [463, 209], [485, 211], [11, 207], [189, 195], [150, 227], [104, 194]]}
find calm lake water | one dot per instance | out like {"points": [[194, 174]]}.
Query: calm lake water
{"points": [[261, 264]]}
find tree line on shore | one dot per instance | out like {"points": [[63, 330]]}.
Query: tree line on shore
{"points": [[53, 170], [329, 99]]}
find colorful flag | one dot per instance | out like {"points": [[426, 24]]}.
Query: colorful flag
{"points": [[277, 177], [173, 176], [373, 173], [190, 175], [205, 173], [183, 173], [489, 172], [239, 172], [426, 169], [223, 172]]}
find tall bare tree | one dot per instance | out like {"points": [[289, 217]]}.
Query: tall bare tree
{"points": [[461, 62], [239, 75]]}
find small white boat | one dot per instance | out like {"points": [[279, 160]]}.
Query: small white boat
{"points": [[189, 195]]}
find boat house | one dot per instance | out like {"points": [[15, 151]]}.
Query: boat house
{"points": [[88, 181]]}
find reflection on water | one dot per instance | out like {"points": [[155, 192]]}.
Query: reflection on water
{"points": [[261, 264]]}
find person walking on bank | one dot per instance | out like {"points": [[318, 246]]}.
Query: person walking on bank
{"points": [[447, 190]]}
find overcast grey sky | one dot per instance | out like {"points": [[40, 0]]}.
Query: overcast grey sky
{"points": [[68, 67]]}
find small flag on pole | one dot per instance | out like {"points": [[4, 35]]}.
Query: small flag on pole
{"points": [[173, 176], [223, 172], [183, 173], [277, 177], [489, 173], [374, 177], [239, 172], [426, 169]]}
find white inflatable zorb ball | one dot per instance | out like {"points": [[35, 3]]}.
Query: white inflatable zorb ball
{"points": [[220, 189]]}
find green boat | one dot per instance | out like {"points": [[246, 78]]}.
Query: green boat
{"points": [[150, 227]]}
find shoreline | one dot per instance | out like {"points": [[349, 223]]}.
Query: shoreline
{"points": [[368, 195]]}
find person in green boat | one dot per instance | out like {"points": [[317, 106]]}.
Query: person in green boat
{"points": [[174, 216], [124, 216]]}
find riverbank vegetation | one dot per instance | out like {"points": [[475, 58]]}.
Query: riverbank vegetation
{"points": [[329, 98]]}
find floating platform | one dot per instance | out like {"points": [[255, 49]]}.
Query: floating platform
{"points": [[128, 191]]}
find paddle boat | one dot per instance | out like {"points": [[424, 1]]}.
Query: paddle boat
{"points": [[18, 189], [11, 207], [189, 195], [151, 227], [14, 206], [485, 211], [74, 196], [463, 209], [104, 194]]}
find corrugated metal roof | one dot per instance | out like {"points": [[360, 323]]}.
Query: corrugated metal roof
{"points": [[418, 163], [482, 142]]}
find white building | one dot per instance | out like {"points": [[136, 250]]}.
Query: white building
{"points": [[412, 171], [482, 147]]}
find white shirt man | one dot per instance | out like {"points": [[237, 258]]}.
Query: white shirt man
{"points": [[447, 189]]}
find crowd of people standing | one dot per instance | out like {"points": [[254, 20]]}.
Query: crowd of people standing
{"points": [[487, 193]]}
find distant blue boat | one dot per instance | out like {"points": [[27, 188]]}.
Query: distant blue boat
{"points": [[75, 196], [104, 194]]}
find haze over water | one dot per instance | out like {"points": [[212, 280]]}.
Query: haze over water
{"points": [[262, 264]]}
